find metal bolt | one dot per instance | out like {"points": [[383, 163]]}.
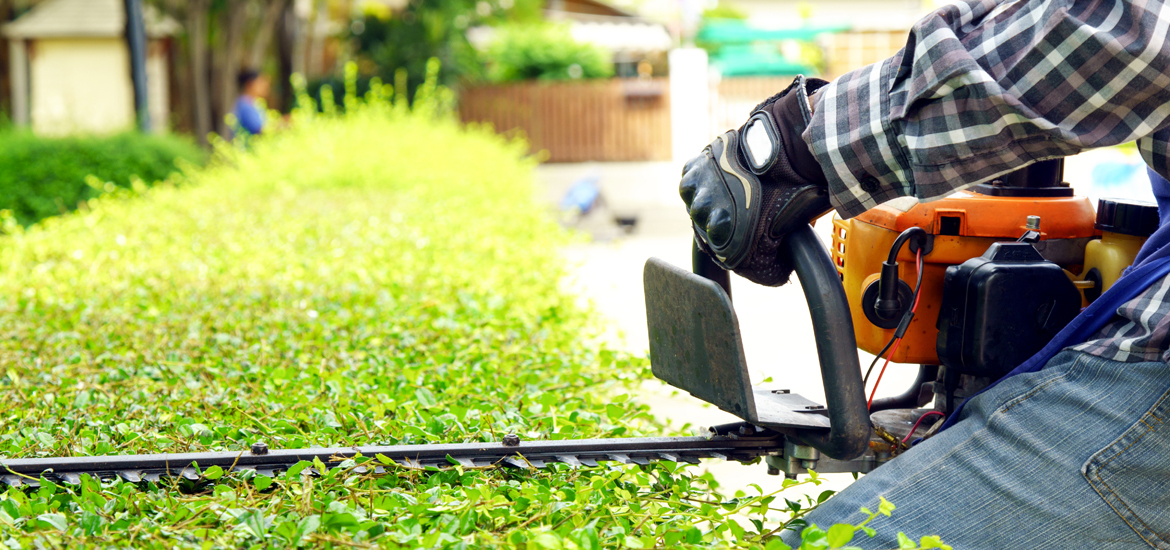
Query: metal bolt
{"points": [[260, 448], [1033, 223], [773, 471], [997, 183], [511, 440], [781, 392]]}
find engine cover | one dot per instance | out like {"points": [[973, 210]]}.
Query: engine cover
{"points": [[999, 309]]}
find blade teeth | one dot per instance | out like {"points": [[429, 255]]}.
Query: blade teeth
{"points": [[266, 472], [640, 460], [517, 462], [588, 462], [537, 463], [70, 478], [691, 459], [465, 462], [151, 476], [379, 470], [719, 456], [668, 456], [189, 473], [13, 481], [570, 460], [620, 457], [130, 475]]}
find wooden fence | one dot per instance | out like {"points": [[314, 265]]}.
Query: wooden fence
{"points": [[733, 98], [602, 120]]}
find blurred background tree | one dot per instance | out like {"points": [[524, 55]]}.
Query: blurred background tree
{"points": [[218, 39], [543, 51], [385, 40]]}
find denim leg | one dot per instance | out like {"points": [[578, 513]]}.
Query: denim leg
{"points": [[1075, 455]]}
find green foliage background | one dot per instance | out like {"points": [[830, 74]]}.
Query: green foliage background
{"points": [[542, 51], [386, 41], [41, 177]]}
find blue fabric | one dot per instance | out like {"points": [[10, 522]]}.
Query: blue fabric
{"points": [[1076, 455], [582, 195], [1155, 246], [250, 118]]}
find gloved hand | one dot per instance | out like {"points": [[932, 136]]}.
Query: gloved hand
{"points": [[751, 186]]}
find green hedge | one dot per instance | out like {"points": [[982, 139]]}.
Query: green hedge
{"points": [[380, 277], [42, 177]]}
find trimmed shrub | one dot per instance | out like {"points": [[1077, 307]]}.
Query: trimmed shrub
{"points": [[42, 177], [380, 277]]}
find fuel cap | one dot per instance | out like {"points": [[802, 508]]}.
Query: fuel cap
{"points": [[1126, 216]]}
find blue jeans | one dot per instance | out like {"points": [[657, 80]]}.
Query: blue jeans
{"points": [[1076, 455]]}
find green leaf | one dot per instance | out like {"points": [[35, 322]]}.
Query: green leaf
{"points": [[426, 399], [839, 535], [774, 544], [262, 482], [52, 521], [213, 473], [587, 539], [813, 538], [932, 541], [736, 529], [548, 540], [904, 542], [90, 523], [332, 522], [885, 507], [295, 470], [308, 526], [633, 542]]}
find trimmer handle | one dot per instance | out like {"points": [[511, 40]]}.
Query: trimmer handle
{"points": [[848, 436]]}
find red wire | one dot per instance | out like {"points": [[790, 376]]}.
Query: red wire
{"points": [[916, 424], [897, 342]]}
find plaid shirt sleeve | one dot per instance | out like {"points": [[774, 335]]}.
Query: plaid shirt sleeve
{"points": [[984, 87]]}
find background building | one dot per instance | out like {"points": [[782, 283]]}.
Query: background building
{"points": [[70, 68]]}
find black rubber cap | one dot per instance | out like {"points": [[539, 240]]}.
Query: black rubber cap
{"points": [[1127, 216]]}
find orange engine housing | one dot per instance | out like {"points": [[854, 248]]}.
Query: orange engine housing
{"points": [[962, 226]]}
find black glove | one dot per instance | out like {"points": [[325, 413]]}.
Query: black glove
{"points": [[751, 186]]}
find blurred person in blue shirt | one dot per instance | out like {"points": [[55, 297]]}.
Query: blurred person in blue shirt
{"points": [[249, 111]]}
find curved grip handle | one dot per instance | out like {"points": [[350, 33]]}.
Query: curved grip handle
{"points": [[848, 436], [703, 266]]}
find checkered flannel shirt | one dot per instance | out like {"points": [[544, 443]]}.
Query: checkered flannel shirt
{"points": [[984, 87]]}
